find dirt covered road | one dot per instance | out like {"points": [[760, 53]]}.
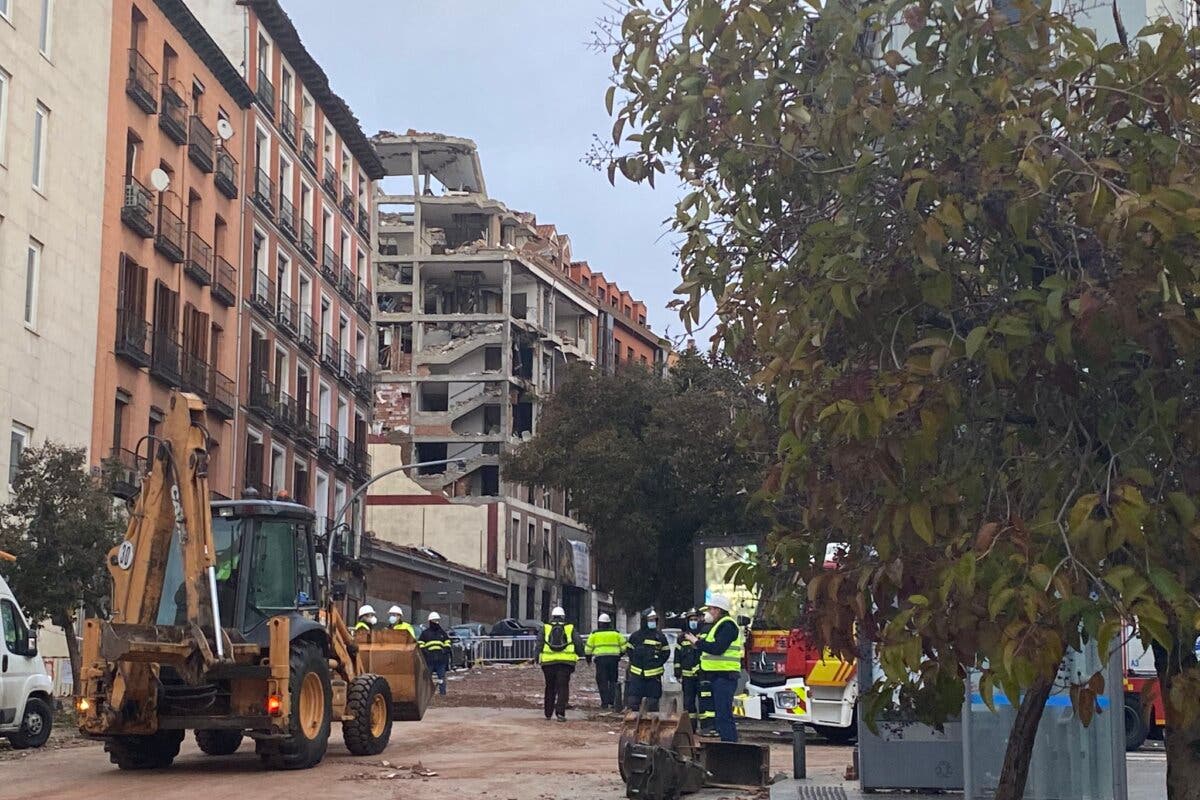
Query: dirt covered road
{"points": [[487, 740]]}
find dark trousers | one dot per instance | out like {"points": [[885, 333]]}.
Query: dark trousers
{"points": [[638, 687], [558, 688], [691, 689], [723, 689], [438, 667], [606, 679]]}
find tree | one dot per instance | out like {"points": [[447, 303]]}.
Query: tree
{"points": [[60, 526], [963, 241], [649, 464]]}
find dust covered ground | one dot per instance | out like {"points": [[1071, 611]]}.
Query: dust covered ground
{"points": [[486, 739]]}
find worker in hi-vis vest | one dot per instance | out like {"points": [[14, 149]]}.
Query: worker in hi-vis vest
{"points": [[605, 645], [559, 648], [721, 648], [648, 651]]}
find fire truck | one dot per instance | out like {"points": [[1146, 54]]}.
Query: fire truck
{"points": [[1144, 712]]}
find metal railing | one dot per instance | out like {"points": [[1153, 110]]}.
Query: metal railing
{"points": [[224, 281], [137, 210], [330, 265], [329, 179], [262, 293], [308, 240], [141, 81], [265, 92], [172, 119], [264, 190], [287, 214], [169, 240], [287, 123], [502, 649], [200, 144], [308, 151], [226, 178], [199, 259]]}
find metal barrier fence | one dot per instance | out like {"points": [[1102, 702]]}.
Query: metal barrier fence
{"points": [[503, 649]]}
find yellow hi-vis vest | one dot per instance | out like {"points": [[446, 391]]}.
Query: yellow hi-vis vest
{"points": [[731, 659], [565, 656], [604, 643], [404, 626]]}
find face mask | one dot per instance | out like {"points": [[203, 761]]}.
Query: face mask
{"points": [[393, 619], [371, 620], [652, 624], [693, 624], [708, 617]]}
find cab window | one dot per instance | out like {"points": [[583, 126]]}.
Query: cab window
{"points": [[282, 570], [15, 632]]}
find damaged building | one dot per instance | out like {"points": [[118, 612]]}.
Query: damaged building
{"points": [[479, 311]]}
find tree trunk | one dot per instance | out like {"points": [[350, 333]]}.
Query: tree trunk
{"points": [[1020, 739], [65, 620], [1182, 733]]}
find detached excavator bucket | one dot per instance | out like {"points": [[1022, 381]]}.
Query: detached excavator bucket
{"points": [[395, 656]]}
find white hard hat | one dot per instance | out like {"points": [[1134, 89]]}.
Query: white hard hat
{"points": [[652, 614], [557, 611], [720, 601], [396, 610], [605, 618], [435, 616], [365, 610]]}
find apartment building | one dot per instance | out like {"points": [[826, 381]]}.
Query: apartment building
{"points": [[306, 246], [53, 98], [477, 316], [624, 336], [170, 261]]}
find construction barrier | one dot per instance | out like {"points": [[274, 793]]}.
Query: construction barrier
{"points": [[503, 649]]}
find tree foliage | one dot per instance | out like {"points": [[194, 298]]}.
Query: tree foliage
{"points": [[649, 464], [60, 526], [964, 243]]}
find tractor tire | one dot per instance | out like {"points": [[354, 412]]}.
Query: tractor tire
{"points": [[218, 742], [35, 725], [370, 702], [312, 710], [155, 751], [1137, 726]]}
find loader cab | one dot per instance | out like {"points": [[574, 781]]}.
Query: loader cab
{"points": [[264, 563]]}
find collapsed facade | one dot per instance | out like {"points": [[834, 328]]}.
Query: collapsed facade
{"points": [[479, 311]]}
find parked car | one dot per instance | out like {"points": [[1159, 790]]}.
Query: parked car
{"points": [[469, 630], [25, 688], [513, 627]]}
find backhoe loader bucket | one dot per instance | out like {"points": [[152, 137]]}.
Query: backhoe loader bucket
{"points": [[395, 656]]}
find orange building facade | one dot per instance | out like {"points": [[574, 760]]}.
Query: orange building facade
{"points": [[170, 247], [624, 335]]}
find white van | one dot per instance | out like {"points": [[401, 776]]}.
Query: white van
{"points": [[26, 692]]}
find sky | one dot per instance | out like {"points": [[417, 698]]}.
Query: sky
{"points": [[519, 78]]}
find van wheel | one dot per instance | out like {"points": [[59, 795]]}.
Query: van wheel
{"points": [[155, 751], [35, 725], [218, 742], [370, 702], [312, 708], [1137, 727]]}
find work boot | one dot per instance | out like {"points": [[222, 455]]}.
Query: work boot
{"points": [[562, 718]]}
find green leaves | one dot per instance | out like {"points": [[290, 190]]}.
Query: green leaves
{"points": [[922, 521]]}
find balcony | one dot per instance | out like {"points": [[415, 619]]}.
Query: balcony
{"points": [[348, 374], [140, 83], [330, 265], [165, 359], [327, 443], [224, 288], [363, 384], [347, 203], [194, 374], [306, 427], [364, 222], [285, 316], [346, 284], [265, 92], [199, 259], [262, 294], [331, 354], [346, 452], [262, 396], [200, 144], [362, 302], [133, 338], [308, 241], [308, 337], [360, 461], [173, 118], [287, 216], [137, 210], [122, 473], [170, 238], [285, 413], [226, 178], [329, 179], [308, 151], [287, 123], [222, 396], [264, 192]]}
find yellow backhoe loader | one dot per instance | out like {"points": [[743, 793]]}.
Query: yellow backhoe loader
{"points": [[219, 624]]}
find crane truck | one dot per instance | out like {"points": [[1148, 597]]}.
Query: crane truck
{"points": [[220, 624]]}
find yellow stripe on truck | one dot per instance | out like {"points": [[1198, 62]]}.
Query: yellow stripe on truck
{"points": [[830, 671]]}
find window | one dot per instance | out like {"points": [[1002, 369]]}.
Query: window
{"points": [[308, 114], [328, 143], [18, 440], [6, 9], [286, 87], [282, 577], [33, 269], [4, 81], [15, 632], [41, 121], [120, 409]]}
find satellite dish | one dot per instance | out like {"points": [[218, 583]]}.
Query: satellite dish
{"points": [[160, 180], [224, 130]]}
